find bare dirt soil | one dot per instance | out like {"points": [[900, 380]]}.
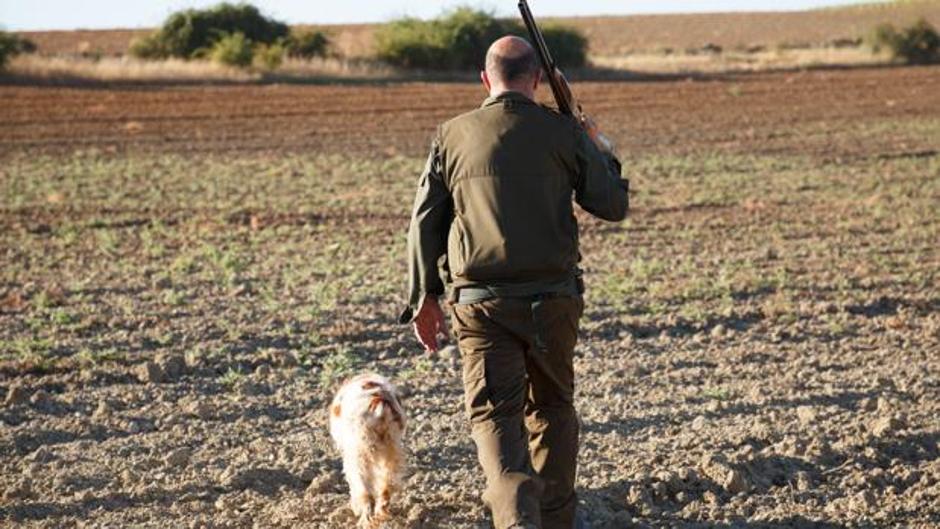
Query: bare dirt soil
{"points": [[790, 112], [189, 271]]}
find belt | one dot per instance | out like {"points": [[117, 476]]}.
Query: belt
{"points": [[476, 293]]}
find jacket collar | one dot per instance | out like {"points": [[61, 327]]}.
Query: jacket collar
{"points": [[512, 97]]}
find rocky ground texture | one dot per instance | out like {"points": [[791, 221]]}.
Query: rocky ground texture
{"points": [[761, 346]]}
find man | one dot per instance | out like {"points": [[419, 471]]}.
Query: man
{"points": [[494, 215]]}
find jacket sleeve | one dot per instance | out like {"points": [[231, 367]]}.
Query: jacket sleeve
{"points": [[599, 190], [427, 235]]}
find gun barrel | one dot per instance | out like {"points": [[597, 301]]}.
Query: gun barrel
{"points": [[545, 57]]}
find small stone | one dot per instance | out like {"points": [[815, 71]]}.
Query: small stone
{"points": [[803, 481], [263, 370], [192, 358], [718, 331], [282, 358], [710, 498], [178, 458], [883, 405], [699, 423], [806, 415], [863, 501], [201, 409], [149, 372], [661, 491], [84, 496], [639, 498], [41, 455], [327, 482], [173, 365], [225, 503], [102, 411], [885, 426], [40, 399], [17, 394], [128, 477], [868, 404], [735, 482]]}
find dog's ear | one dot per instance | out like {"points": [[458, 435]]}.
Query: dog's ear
{"points": [[336, 410]]}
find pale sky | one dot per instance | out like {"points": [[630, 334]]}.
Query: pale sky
{"points": [[94, 14]]}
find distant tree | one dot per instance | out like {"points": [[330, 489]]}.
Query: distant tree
{"points": [[12, 45], [306, 44], [193, 32], [918, 43], [459, 40]]}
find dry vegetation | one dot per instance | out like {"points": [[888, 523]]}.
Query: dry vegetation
{"points": [[650, 43]]}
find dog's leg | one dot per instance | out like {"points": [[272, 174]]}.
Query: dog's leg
{"points": [[386, 481], [360, 497]]}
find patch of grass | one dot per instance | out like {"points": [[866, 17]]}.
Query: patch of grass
{"points": [[230, 378], [338, 365], [89, 357], [717, 393], [174, 298], [62, 317]]}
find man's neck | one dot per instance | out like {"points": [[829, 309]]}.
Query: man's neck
{"points": [[525, 93]]}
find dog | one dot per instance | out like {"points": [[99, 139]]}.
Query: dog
{"points": [[367, 423]]}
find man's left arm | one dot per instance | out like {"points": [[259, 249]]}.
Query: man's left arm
{"points": [[427, 242]]}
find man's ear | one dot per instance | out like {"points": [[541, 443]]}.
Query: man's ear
{"points": [[486, 80]]}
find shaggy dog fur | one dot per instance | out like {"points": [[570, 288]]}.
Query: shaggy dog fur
{"points": [[367, 423]]}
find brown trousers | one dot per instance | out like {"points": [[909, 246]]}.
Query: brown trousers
{"points": [[518, 382]]}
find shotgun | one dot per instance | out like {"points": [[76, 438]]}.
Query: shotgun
{"points": [[565, 100]]}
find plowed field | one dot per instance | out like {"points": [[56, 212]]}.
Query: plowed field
{"points": [[187, 272], [765, 113]]}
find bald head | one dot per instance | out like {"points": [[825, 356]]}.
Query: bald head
{"points": [[511, 64]]}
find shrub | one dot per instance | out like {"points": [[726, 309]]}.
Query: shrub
{"points": [[307, 44], [233, 50], [269, 56], [151, 47], [916, 44], [12, 45], [460, 38], [567, 46], [190, 33]]}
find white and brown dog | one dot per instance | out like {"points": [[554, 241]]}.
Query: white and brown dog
{"points": [[367, 423]]}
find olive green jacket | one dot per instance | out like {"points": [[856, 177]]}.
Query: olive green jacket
{"points": [[493, 206]]}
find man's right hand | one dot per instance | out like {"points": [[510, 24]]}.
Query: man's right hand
{"points": [[429, 324], [599, 138]]}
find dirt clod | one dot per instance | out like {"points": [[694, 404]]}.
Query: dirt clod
{"points": [[178, 458], [17, 394], [172, 365], [40, 399], [884, 426], [149, 372]]}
